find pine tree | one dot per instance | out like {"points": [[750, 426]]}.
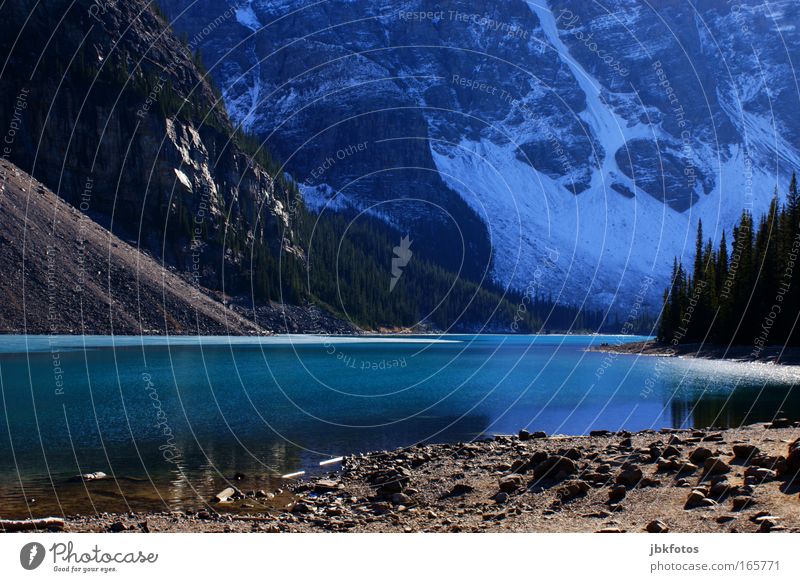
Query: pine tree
{"points": [[746, 296]]}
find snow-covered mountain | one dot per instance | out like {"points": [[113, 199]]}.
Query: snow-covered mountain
{"points": [[558, 145]]}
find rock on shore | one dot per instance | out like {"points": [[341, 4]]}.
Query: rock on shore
{"points": [[742, 480]]}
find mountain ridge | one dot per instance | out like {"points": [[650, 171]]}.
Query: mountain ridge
{"points": [[517, 113]]}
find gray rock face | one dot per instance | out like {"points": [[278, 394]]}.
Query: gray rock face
{"points": [[573, 146]]}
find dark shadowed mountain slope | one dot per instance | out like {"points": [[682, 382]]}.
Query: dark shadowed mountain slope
{"points": [[112, 113]]}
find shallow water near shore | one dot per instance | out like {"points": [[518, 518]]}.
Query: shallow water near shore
{"points": [[173, 420]]}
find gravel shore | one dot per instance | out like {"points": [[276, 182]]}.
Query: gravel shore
{"points": [[735, 480]]}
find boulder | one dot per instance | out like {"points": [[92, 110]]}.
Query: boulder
{"points": [[326, 486], [719, 489], [670, 451], [224, 495], [715, 466], [617, 492], [761, 474], [572, 489], [511, 483], [555, 467], [745, 452], [629, 476], [525, 465], [302, 508], [656, 526], [401, 499], [500, 497], [793, 458], [571, 453], [699, 455], [460, 489], [777, 463], [695, 498]]}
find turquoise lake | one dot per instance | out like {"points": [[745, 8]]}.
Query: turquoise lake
{"points": [[173, 418]]}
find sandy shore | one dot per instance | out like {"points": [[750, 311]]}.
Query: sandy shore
{"points": [[737, 480], [769, 354]]}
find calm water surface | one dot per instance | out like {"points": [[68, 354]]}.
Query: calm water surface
{"points": [[172, 420]]}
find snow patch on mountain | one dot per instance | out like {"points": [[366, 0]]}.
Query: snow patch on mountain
{"points": [[600, 243], [246, 16]]}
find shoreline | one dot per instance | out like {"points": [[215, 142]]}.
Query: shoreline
{"points": [[778, 355], [731, 480]]}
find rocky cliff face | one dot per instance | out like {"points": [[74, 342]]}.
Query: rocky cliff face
{"points": [[572, 146], [113, 113]]}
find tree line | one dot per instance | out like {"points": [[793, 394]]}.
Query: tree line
{"points": [[747, 293]]}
